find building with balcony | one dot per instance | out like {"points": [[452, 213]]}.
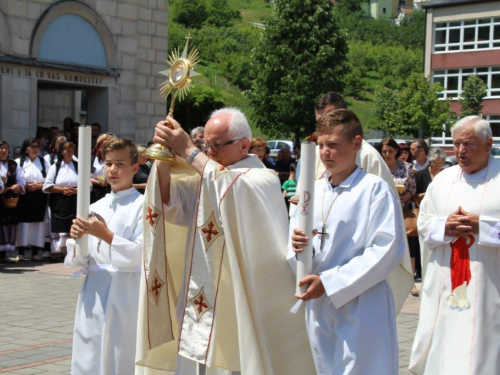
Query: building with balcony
{"points": [[463, 38]]}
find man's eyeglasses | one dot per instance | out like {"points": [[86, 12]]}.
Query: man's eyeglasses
{"points": [[34, 146], [434, 163], [219, 146]]}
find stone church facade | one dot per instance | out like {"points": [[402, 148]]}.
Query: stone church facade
{"points": [[92, 60]]}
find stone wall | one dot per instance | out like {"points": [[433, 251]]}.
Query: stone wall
{"points": [[135, 35], [54, 107]]}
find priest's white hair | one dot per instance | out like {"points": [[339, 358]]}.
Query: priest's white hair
{"points": [[481, 127], [238, 125]]}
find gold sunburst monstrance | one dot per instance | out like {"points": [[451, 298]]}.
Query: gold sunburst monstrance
{"points": [[179, 76]]}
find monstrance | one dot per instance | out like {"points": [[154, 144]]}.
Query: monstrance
{"points": [[179, 77]]}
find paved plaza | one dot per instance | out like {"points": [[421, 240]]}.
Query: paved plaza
{"points": [[37, 309]]}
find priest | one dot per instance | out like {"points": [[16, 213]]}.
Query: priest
{"points": [[459, 224], [358, 241], [229, 314]]}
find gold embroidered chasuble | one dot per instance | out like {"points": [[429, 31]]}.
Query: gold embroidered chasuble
{"points": [[236, 288]]}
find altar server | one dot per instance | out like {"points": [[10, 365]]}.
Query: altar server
{"points": [[106, 315], [358, 242]]}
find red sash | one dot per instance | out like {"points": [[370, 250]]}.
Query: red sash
{"points": [[460, 261]]}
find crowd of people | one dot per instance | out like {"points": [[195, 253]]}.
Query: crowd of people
{"points": [[210, 290], [38, 200]]}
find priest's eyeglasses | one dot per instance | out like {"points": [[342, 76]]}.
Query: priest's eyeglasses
{"points": [[219, 146]]}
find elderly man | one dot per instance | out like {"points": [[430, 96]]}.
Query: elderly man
{"points": [[236, 290], [459, 224], [419, 150], [198, 134]]}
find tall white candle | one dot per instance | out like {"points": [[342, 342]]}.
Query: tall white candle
{"points": [[83, 196], [306, 208]]}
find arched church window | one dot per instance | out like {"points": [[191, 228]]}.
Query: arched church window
{"points": [[71, 39]]}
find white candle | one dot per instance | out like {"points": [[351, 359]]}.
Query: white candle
{"points": [[83, 196], [306, 209]]}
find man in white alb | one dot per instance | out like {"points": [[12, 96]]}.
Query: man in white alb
{"points": [[358, 242], [459, 225]]}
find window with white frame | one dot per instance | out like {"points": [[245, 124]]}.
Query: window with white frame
{"points": [[453, 80], [494, 121], [467, 35]]}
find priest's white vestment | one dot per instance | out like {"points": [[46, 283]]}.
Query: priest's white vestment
{"points": [[370, 160], [104, 339], [232, 305], [459, 330], [352, 327]]}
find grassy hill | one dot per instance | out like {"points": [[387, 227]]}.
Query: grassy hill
{"points": [[256, 11]]}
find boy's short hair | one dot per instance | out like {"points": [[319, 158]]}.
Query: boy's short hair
{"points": [[116, 144], [351, 126]]}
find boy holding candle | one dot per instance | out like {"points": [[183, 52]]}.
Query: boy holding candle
{"points": [[106, 316], [357, 242]]}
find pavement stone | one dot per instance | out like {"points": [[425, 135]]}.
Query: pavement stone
{"points": [[38, 301]]}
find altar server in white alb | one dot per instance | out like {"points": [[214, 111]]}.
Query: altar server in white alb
{"points": [[358, 242], [459, 224], [106, 315]]}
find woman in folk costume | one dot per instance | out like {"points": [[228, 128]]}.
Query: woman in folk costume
{"points": [[402, 173], [51, 157], [32, 206], [61, 183], [100, 186], [13, 178]]}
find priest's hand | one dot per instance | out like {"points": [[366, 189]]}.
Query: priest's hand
{"points": [[314, 290], [471, 219], [458, 224], [170, 133]]}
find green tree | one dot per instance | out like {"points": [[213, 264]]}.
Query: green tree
{"points": [[350, 5], [423, 113], [190, 13], [386, 111], [473, 93], [414, 110], [412, 30], [301, 55], [196, 107], [220, 14], [355, 83]]}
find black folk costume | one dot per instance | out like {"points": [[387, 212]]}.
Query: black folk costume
{"points": [[62, 207], [9, 212], [32, 206]]}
